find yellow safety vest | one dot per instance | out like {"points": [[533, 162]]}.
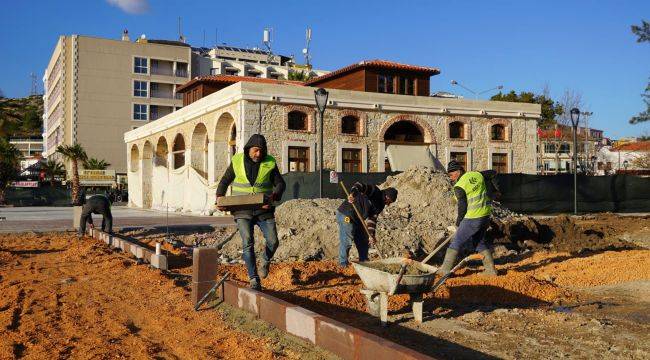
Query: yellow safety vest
{"points": [[478, 203], [241, 185]]}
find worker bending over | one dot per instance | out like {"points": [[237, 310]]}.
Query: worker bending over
{"points": [[250, 172], [474, 209], [370, 201], [96, 204]]}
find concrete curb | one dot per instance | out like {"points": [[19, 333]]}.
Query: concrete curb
{"points": [[129, 247], [341, 339]]}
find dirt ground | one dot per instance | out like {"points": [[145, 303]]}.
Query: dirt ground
{"points": [[66, 298]]}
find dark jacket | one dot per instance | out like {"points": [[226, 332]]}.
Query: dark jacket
{"points": [[252, 168], [369, 200], [491, 185]]}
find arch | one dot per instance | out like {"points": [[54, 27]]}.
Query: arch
{"points": [[134, 158], [178, 151], [423, 127], [457, 130], [498, 132], [297, 120], [225, 143], [199, 149], [147, 174], [162, 150]]}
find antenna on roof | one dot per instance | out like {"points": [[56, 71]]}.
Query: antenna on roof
{"points": [[34, 90], [305, 51], [216, 37], [181, 38], [267, 39]]}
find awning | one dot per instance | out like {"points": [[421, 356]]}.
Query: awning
{"points": [[401, 157]]}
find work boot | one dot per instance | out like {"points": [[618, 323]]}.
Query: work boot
{"points": [[264, 269], [255, 285], [488, 263], [448, 263]]}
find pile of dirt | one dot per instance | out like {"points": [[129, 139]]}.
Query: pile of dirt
{"points": [[396, 268]]}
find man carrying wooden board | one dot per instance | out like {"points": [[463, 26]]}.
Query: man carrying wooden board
{"points": [[253, 172]]}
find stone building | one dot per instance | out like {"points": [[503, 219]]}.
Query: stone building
{"points": [[379, 117]]}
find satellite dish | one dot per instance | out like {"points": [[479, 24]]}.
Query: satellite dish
{"points": [[304, 51]]}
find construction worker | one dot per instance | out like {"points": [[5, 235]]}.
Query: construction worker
{"points": [[96, 204], [254, 171], [471, 191], [370, 201]]}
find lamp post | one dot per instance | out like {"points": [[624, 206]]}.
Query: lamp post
{"points": [[575, 118], [593, 164], [625, 164], [476, 94], [321, 96]]}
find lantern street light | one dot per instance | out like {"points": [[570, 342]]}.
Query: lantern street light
{"points": [[593, 164], [575, 118], [625, 164], [321, 96]]}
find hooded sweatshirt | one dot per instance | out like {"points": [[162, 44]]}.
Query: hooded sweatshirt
{"points": [[252, 168]]}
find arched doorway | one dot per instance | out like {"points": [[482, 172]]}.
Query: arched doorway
{"points": [[147, 174], [406, 142], [199, 150], [225, 143]]}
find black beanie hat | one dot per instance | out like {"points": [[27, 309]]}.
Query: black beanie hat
{"points": [[453, 166], [391, 193]]}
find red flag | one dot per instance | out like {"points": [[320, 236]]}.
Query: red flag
{"points": [[558, 133], [539, 132]]}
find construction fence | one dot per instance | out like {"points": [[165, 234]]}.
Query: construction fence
{"points": [[528, 194]]}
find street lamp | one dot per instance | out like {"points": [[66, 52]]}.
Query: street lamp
{"points": [[625, 164], [476, 94], [321, 96], [593, 164], [575, 118]]}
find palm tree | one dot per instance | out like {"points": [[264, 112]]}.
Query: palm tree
{"points": [[300, 75], [95, 164], [52, 169], [74, 153], [9, 164]]}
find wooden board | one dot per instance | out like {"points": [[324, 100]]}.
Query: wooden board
{"points": [[241, 202]]}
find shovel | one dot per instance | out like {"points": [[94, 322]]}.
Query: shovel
{"points": [[363, 223]]}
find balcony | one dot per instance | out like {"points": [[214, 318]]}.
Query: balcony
{"points": [[157, 111], [181, 73], [162, 94], [162, 67]]}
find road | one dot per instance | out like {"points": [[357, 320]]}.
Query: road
{"points": [[18, 219]]}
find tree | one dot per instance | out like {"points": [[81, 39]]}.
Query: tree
{"points": [[52, 169], [570, 99], [95, 164], [550, 109], [9, 166], [643, 35], [74, 153], [300, 75], [31, 122]]}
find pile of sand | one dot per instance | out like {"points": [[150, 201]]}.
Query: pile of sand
{"points": [[417, 220]]}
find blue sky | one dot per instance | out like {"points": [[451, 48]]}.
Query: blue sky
{"points": [[585, 46]]}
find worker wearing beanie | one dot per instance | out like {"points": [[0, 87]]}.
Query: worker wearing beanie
{"points": [[370, 201], [474, 209]]}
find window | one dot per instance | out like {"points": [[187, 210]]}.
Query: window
{"points": [[565, 148], [214, 71], [500, 163], [178, 151], [498, 132], [385, 84], [406, 86], [139, 112], [460, 157], [549, 148], [350, 125], [140, 65], [139, 88], [297, 120], [232, 72], [456, 130], [351, 160], [298, 159]]}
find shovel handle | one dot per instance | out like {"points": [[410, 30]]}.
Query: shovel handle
{"points": [[435, 251]]}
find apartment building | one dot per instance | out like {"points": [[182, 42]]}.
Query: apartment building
{"points": [[257, 63], [97, 89], [555, 149], [30, 149]]}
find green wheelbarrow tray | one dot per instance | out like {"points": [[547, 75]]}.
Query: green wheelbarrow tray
{"points": [[381, 281]]}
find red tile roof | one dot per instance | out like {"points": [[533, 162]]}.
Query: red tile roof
{"points": [[377, 64], [643, 146], [231, 79]]}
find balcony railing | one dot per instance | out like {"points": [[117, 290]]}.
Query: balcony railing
{"points": [[179, 96], [181, 72], [162, 71], [160, 94]]}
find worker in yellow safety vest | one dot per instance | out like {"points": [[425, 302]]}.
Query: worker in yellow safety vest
{"points": [[255, 171], [472, 192]]}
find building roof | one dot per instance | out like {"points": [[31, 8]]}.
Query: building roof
{"points": [[232, 79], [375, 64], [642, 146]]}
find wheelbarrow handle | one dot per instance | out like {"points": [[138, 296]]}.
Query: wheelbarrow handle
{"points": [[435, 251]]}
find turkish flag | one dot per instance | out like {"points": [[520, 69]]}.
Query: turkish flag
{"points": [[539, 132], [558, 133]]}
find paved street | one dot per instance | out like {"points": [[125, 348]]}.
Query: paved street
{"points": [[18, 219]]}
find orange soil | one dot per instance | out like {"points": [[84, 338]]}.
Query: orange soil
{"points": [[544, 278], [65, 298]]}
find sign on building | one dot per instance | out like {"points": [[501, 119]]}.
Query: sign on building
{"points": [[97, 177], [25, 184]]}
